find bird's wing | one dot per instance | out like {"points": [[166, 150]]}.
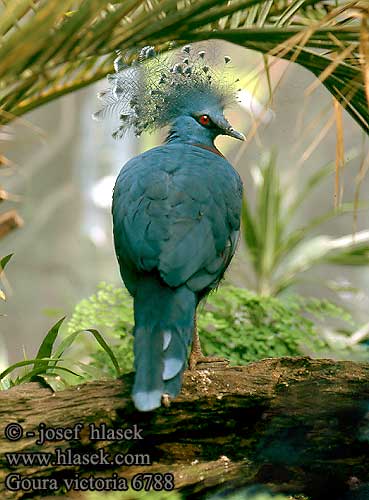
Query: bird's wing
{"points": [[177, 209]]}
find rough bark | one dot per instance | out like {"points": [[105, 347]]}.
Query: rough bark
{"points": [[296, 424]]}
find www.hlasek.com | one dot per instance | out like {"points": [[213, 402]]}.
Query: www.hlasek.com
{"points": [[72, 457]]}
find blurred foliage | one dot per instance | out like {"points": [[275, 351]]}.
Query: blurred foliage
{"points": [[50, 48], [233, 322], [279, 253], [3, 262], [46, 367], [3, 351]]}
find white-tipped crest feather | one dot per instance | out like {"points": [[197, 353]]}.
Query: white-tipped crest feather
{"points": [[155, 89]]}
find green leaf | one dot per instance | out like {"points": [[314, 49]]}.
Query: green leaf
{"points": [[4, 261], [46, 349], [249, 231], [34, 374], [354, 257], [306, 254], [52, 380], [313, 181], [48, 342], [20, 364], [68, 341], [313, 251], [297, 236], [268, 217]]}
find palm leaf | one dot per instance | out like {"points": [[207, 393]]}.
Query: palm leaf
{"points": [[269, 216], [4, 261], [358, 256], [46, 348], [48, 50], [320, 249], [250, 232]]}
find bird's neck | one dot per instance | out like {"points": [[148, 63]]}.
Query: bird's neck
{"points": [[171, 139], [185, 134]]}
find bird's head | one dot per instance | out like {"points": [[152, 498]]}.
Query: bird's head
{"points": [[200, 120], [189, 96]]}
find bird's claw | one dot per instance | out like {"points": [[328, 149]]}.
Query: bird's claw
{"points": [[165, 400]]}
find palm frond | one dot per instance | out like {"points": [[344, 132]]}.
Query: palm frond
{"points": [[49, 48]]}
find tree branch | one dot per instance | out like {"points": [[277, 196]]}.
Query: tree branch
{"points": [[300, 425]]}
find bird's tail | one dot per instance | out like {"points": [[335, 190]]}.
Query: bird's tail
{"points": [[164, 323]]}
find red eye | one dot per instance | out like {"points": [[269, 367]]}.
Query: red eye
{"points": [[204, 120]]}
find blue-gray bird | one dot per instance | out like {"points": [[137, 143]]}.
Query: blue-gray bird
{"points": [[176, 211]]}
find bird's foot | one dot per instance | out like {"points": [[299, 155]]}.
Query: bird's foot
{"points": [[197, 358]]}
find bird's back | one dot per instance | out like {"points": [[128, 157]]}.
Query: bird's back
{"points": [[176, 209]]}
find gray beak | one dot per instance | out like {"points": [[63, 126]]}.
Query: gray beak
{"points": [[234, 133], [227, 128]]}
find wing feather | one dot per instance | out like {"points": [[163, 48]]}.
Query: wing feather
{"points": [[176, 208]]}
